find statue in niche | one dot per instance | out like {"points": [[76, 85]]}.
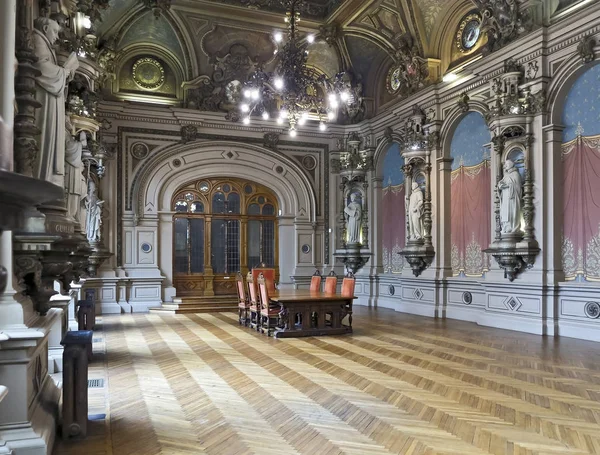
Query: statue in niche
{"points": [[354, 219], [75, 184], [50, 91], [510, 191], [415, 212], [93, 205]]}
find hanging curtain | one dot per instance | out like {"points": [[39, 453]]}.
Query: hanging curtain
{"points": [[470, 218], [581, 208], [394, 227]]}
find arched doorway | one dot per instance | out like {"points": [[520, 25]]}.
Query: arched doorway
{"points": [[221, 226]]}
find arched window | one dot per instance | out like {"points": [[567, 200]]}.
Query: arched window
{"points": [[393, 217], [221, 227]]}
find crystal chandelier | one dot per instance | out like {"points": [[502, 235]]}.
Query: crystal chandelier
{"points": [[294, 93]]}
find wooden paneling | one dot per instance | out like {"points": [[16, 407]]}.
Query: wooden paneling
{"points": [[200, 383]]}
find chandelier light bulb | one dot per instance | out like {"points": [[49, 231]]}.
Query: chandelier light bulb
{"points": [[244, 107], [255, 95], [87, 23], [331, 115], [302, 121], [305, 115], [265, 115], [334, 104], [278, 37], [280, 121], [310, 38], [293, 133], [246, 120], [247, 93], [332, 97], [279, 83], [344, 96], [322, 126]]}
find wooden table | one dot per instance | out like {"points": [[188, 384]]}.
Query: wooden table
{"points": [[304, 313]]}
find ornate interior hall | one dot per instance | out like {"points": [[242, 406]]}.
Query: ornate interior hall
{"points": [[299, 226]]}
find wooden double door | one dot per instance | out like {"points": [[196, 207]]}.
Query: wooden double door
{"points": [[221, 226]]}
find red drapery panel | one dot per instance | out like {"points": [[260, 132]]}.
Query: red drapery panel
{"points": [[394, 227], [470, 218], [581, 208]]}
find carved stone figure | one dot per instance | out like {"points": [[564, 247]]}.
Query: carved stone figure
{"points": [[75, 184], [510, 191], [354, 219], [415, 212], [93, 205], [50, 92]]}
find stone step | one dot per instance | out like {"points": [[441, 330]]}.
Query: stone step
{"points": [[200, 304]]}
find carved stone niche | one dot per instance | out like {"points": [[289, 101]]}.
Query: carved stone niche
{"points": [[510, 116], [416, 150]]}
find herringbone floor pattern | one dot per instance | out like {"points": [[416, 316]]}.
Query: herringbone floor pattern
{"points": [[201, 384]]}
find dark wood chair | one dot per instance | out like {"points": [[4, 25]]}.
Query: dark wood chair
{"points": [[243, 301], [331, 283], [315, 281], [254, 309], [268, 275], [269, 314], [348, 285]]}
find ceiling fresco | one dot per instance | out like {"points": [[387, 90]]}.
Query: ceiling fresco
{"points": [[311, 8]]}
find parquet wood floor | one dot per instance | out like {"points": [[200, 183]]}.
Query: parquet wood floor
{"points": [[401, 384]]}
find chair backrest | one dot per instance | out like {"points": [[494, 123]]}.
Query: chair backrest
{"points": [[348, 285], [241, 288], [331, 283], [252, 289], [263, 291], [268, 274], [315, 281]]}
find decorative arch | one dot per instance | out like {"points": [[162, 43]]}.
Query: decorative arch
{"points": [[562, 82], [466, 138], [155, 182], [452, 121]]}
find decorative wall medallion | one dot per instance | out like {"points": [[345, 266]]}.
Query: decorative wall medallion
{"points": [[140, 151], [468, 33], [391, 289], [592, 310], [279, 170], [305, 248], [146, 247], [418, 294], [512, 304], [148, 73], [309, 162], [467, 298], [176, 162]]}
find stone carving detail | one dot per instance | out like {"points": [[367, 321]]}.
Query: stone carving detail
{"points": [[502, 21], [467, 298], [463, 102], [271, 141], [510, 191], [585, 49], [592, 310], [309, 162], [415, 213], [410, 71], [94, 214], [50, 91], [189, 133], [140, 151], [222, 91], [353, 213], [75, 185]]}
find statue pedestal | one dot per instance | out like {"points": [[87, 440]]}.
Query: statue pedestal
{"points": [[353, 258], [418, 255]]}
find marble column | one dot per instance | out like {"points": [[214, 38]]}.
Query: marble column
{"points": [[8, 19]]}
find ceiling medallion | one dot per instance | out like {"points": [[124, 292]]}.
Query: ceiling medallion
{"points": [[148, 74], [468, 33], [295, 93], [394, 79]]}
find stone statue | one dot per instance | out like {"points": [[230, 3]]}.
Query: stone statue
{"points": [[415, 212], [75, 184], [354, 218], [510, 191], [93, 205], [50, 91]]}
